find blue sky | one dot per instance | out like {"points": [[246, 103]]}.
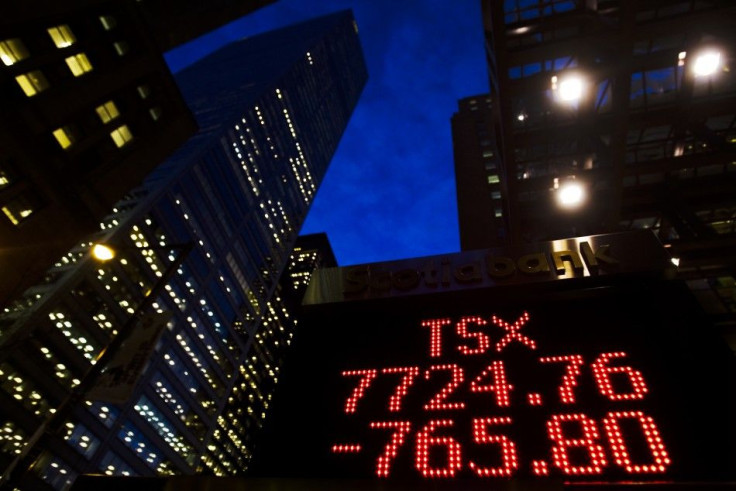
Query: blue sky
{"points": [[390, 190]]}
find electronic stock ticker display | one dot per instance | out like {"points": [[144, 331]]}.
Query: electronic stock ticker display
{"points": [[599, 385]]}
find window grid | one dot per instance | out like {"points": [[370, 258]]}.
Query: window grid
{"points": [[32, 82], [64, 136], [107, 111], [62, 36], [12, 51], [79, 64], [121, 135]]}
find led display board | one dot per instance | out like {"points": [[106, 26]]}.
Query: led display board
{"points": [[605, 381]]}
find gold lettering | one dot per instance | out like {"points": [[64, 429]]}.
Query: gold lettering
{"points": [[561, 258], [533, 263], [356, 280], [468, 273], [499, 267], [601, 254], [430, 275], [380, 280], [445, 272], [406, 279]]}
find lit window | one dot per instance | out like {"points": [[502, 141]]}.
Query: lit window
{"points": [[5, 179], [79, 64], [498, 213], [64, 137], [32, 82], [108, 22], [19, 209], [121, 136], [12, 51], [143, 91], [493, 179], [107, 112], [121, 47], [62, 36], [155, 113]]}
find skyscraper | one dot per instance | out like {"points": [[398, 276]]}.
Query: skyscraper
{"points": [[477, 175], [89, 108], [631, 101], [271, 110], [174, 22]]}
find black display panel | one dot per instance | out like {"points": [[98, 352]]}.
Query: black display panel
{"points": [[612, 383]]}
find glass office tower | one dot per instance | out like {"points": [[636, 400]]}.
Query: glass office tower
{"points": [[632, 101], [271, 111]]}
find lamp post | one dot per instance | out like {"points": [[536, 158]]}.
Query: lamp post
{"points": [[28, 457]]}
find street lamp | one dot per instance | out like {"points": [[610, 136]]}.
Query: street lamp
{"points": [[102, 252], [568, 89], [570, 193], [706, 63], [28, 457]]}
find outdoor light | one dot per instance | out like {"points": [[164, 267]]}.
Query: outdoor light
{"points": [[101, 252], [569, 88], [29, 456], [570, 194], [706, 63], [681, 58]]}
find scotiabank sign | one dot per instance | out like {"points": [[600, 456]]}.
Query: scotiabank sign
{"points": [[579, 257]]}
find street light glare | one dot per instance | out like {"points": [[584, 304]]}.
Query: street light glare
{"points": [[571, 89], [707, 63], [102, 252], [570, 195]]}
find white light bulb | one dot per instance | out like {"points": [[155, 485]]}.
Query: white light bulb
{"points": [[570, 195], [707, 64]]}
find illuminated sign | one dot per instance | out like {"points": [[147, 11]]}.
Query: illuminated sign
{"points": [[602, 383], [564, 259]]}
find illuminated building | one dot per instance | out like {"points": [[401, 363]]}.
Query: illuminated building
{"points": [[633, 101], [247, 406], [271, 110], [568, 364], [89, 108]]}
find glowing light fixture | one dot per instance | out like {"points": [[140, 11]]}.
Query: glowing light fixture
{"points": [[568, 89], [706, 63], [570, 194], [101, 252], [571, 89]]}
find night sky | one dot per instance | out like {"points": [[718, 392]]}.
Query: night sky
{"points": [[390, 190]]}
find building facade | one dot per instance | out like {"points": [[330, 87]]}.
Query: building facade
{"points": [[174, 23], [89, 109], [271, 110], [477, 174], [631, 100]]}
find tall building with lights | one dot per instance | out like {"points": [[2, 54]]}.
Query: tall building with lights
{"points": [[89, 109], [271, 110], [632, 101]]}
